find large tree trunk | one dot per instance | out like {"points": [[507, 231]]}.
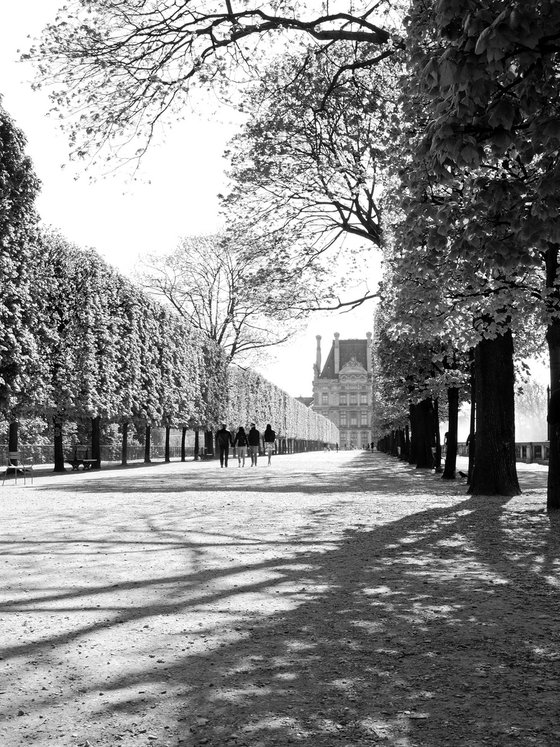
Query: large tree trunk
{"points": [[183, 444], [422, 434], [196, 444], [437, 437], [13, 436], [208, 443], [494, 471], [58, 445], [124, 446], [412, 441], [449, 470], [472, 425], [148, 444], [553, 340], [96, 440], [167, 457]]}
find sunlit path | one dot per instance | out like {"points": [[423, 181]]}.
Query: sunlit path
{"points": [[329, 599]]}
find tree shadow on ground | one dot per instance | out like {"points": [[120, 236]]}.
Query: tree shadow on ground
{"points": [[360, 474], [439, 628]]}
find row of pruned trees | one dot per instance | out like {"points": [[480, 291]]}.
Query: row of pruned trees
{"points": [[80, 342], [251, 398]]}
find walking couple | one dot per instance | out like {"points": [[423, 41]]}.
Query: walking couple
{"points": [[243, 443]]}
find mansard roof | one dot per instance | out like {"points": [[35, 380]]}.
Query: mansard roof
{"points": [[349, 349]]}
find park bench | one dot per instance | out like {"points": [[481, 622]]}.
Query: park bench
{"points": [[80, 458]]}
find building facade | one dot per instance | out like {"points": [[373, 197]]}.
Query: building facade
{"points": [[342, 389]]}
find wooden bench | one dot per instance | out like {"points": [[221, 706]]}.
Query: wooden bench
{"points": [[81, 458]]}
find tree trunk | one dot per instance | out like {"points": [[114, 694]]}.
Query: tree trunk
{"points": [[124, 448], [472, 424], [183, 444], [58, 445], [208, 443], [407, 442], [422, 431], [96, 440], [494, 471], [13, 436], [553, 340], [167, 458], [196, 444], [412, 444], [449, 470], [148, 444], [437, 437]]}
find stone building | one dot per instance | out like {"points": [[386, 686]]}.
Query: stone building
{"points": [[342, 389]]}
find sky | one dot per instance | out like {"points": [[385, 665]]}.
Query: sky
{"points": [[175, 193]]}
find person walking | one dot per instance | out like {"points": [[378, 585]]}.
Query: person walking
{"points": [[240, 443], [254, 439], [269, 439], [223, 442]]}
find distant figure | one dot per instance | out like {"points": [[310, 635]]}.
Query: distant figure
{"points": [[336, 447], [240, 443], [223, 442], [269, 439], [254, 439]]}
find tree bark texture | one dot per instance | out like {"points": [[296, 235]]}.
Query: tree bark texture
{"points": [[412, 444], [167, 444], [437, 437], [58, 445], [450, 467], [13, 436], [96, 440], [148, 444], [208, 443], [494, 471], [183, 444], [472, 425], [124, 448], [422, 434], [553, 340]]}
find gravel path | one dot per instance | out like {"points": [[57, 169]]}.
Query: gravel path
{"points": [[330, 600]]}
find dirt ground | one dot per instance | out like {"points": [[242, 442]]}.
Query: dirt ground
{"points": [[329, 600]]}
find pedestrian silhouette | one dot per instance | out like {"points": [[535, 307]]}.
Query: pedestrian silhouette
{"points": [[223, 442], [254, 439], [269, 439]]}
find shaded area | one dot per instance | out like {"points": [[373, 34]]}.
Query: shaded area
{"points": [[401, 617]]}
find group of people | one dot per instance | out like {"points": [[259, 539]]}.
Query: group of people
{"points": [[244, 444]]}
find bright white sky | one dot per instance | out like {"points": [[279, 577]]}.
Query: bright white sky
{"points": [[121, 218]]}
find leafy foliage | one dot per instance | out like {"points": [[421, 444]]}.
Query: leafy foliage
{"points": [[18, 188]]}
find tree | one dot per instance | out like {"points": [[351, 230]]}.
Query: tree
{"points": [[18, 189], [123, 67], [226, 291], [486, 75], [312, 154]]}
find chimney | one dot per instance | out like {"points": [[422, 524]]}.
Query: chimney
{"points": [[336, 353], [318, 358], [369, 353]]}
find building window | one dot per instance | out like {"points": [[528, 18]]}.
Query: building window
{"points": [[325, 398], [343, 399], [363, 398], [353, 418], [365, 438], [363, 418], [343, 420], [353, 398]]}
